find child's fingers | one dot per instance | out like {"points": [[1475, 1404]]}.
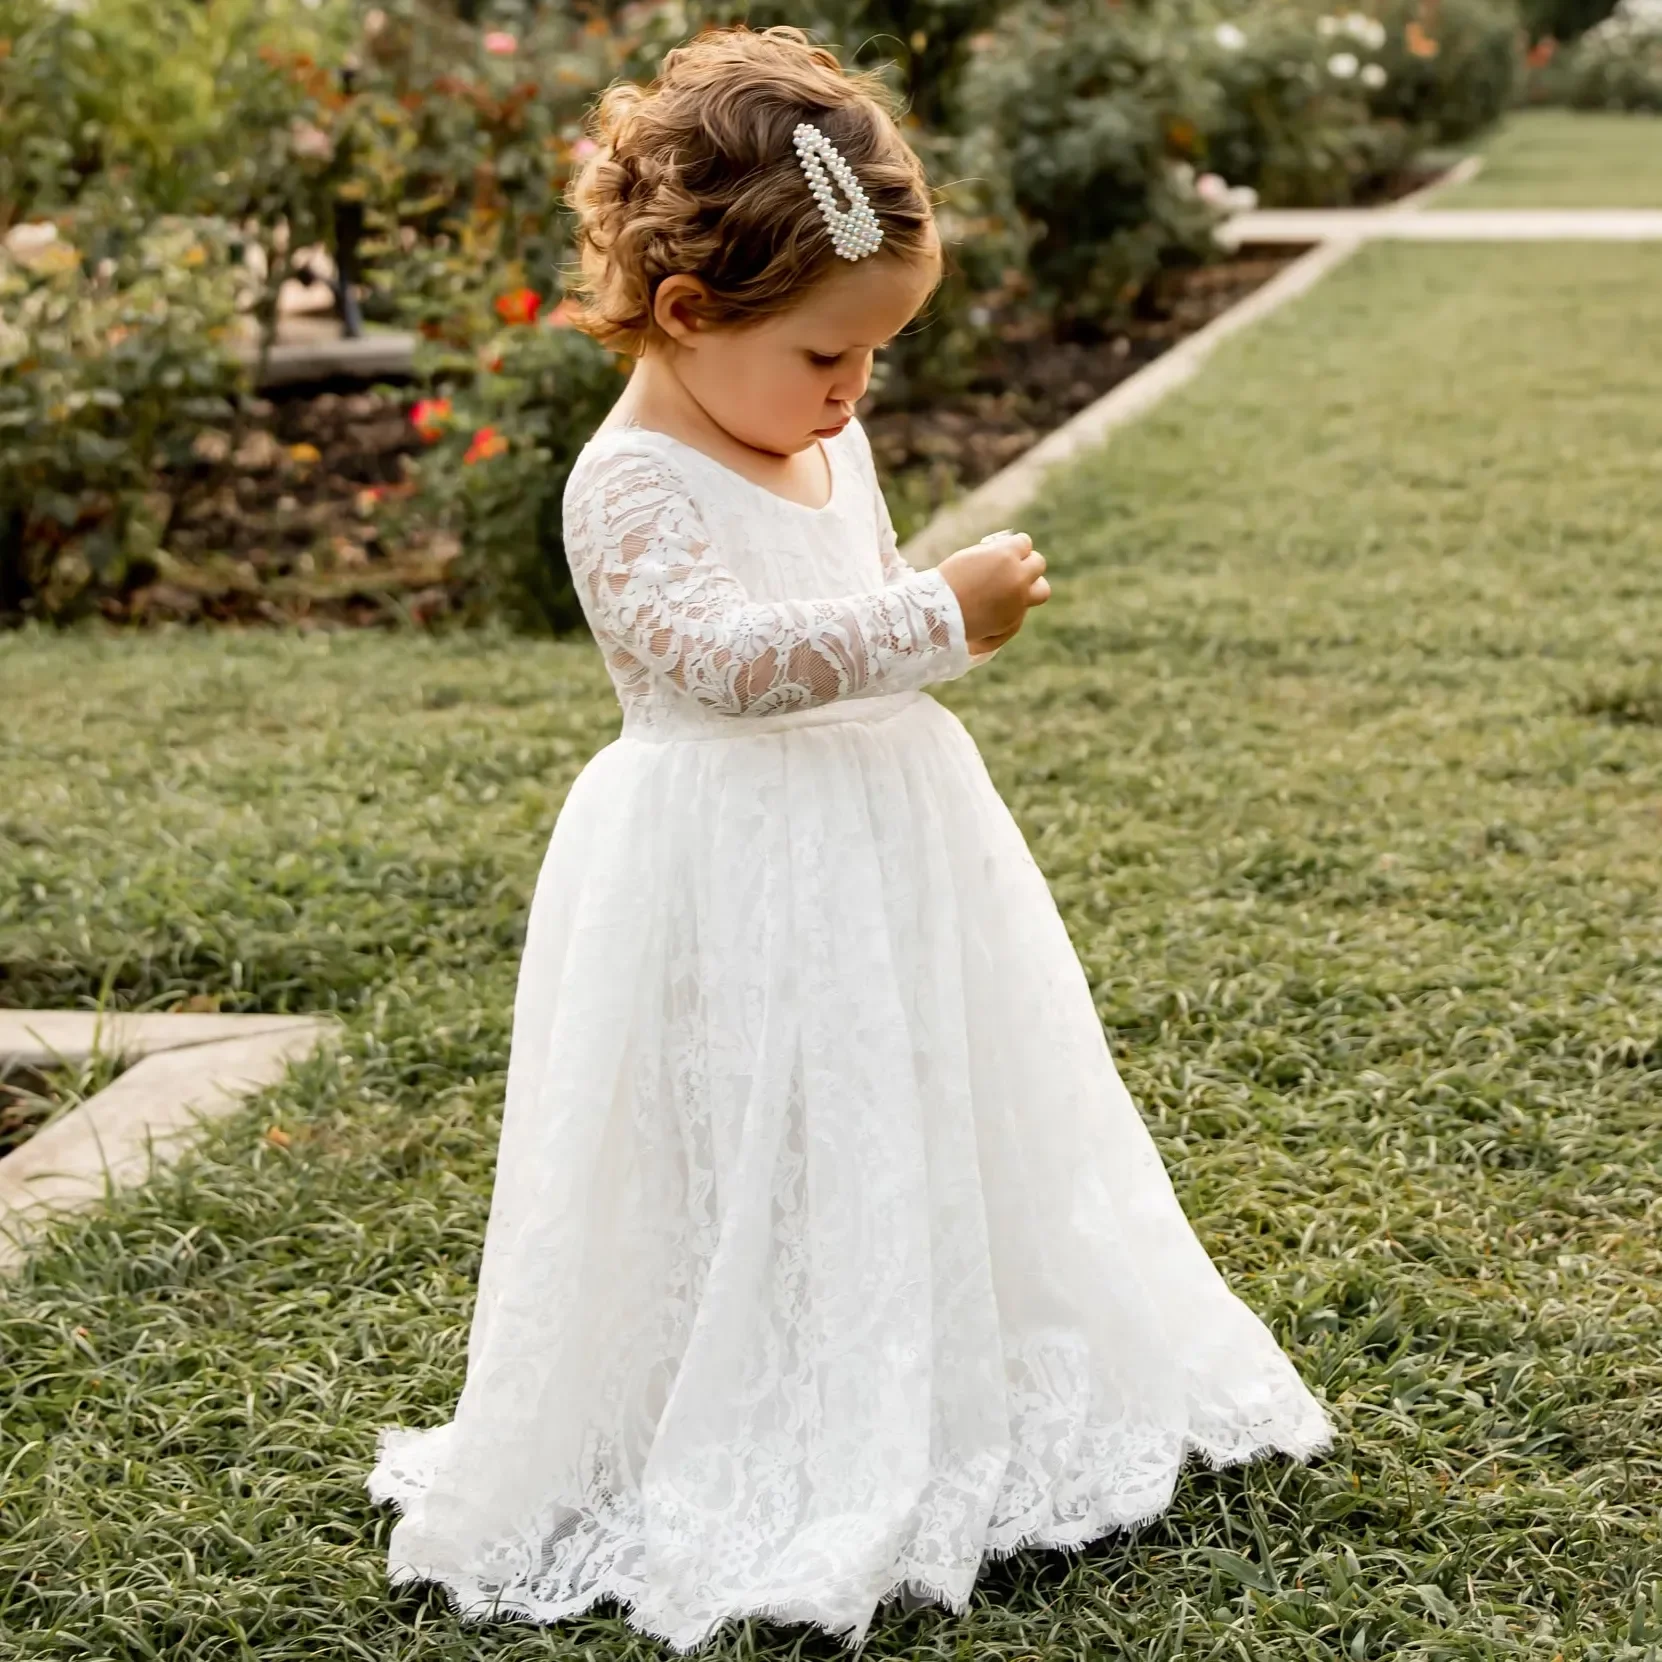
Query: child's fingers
{"points": [[1039, 593]]}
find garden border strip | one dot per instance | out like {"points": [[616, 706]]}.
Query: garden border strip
{"points": [[1000, 499], [188, 1070], [1302, 225]]}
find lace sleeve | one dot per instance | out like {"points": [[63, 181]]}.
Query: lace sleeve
{"points": [[896, 567], [641, 555]]}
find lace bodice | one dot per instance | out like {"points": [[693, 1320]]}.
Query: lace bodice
{"points": [[713, 597]]}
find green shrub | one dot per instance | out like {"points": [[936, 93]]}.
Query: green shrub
{"points": [[503, 439], [1090, 114], [1453, 66], [114, 356], [1563, 19], [1616, 65], [1291, 115]]}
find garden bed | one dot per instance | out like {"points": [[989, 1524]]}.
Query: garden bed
{"points": [[31, 1098], [303, 518]]}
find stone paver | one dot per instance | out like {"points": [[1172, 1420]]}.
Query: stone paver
{"points": [[1318, 225]]}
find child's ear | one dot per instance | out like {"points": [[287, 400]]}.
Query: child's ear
{"points": [[680, 308]]}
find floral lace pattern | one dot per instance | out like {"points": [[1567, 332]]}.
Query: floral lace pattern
{"points": [[828, 1255], [676, 622]]}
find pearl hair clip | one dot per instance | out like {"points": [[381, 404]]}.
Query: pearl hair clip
{"points": [[855, 232]]}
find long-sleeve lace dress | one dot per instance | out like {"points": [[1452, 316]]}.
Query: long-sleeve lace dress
{"points": [[827, 1254]]}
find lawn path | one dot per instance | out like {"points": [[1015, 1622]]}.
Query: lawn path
{"points": [[1566, 159], [1341, 745]]}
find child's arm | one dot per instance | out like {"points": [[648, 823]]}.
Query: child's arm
{"points": [[641, 552]]}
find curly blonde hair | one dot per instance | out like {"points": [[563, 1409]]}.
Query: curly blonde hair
{"points": [[697, 173]]}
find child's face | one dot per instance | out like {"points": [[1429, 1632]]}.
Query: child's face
{"points": [[795, 377]]}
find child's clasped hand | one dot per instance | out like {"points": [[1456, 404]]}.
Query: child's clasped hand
{"points": [[996, 582]]}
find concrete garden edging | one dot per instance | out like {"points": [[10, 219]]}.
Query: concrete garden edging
{"points": [[184, 1072]]}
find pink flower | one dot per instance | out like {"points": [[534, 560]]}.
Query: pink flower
{"points": [[500, 44], [1211, 187], [583, 149]]}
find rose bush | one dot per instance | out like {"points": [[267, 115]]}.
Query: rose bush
{"points": [[1081, 146], [1615, 65], [114, 358]]}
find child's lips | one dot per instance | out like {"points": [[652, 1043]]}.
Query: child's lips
{"points": [[831, 432]]}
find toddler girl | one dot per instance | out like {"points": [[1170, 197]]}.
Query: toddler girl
{"points": [[827, 1254]]}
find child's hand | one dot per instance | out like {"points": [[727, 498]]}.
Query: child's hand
{"points": [[996, 583]]}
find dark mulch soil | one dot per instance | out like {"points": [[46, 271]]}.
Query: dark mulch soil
{"points": [[290, 525], [28, 1098]]}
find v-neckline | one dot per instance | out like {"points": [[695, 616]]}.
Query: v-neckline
{"points": [[833, 472]]}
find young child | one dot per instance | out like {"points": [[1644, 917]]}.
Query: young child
{"points": [[827, 1254]]}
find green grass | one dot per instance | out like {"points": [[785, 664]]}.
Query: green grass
{"points": [[1567, 159], [1341, 744]]}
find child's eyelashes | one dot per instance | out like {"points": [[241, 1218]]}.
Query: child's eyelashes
{"points": [[829, 360]]}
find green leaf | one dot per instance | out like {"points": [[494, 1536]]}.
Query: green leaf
{"points": [[1436, 1601], [1240, 1569]]}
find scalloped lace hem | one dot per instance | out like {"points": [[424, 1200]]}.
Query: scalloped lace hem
{"points": [[475, 1601]]}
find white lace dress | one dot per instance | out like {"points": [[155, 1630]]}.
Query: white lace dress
{"points": [[827, 1254]]}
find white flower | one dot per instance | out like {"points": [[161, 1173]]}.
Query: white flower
{"points": [[1182, 175], [309, 140], [1361, 27], [30, 238], [1342, 65], [1229, 37], [1373, 75], [1328, 26], [1240, 199]]}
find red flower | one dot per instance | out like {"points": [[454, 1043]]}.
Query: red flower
{"points": [[430, 417], [487, 442], [519, 306]]}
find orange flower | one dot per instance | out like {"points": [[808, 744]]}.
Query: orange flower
{"points": [[430, 417], [1542, 53], [487, 442], [519, 306], [1420, 43], [1182, 135]]}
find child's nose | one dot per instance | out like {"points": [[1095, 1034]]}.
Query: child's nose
{"points": [[851, 388]]}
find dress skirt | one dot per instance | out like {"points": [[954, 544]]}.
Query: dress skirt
{"points": [[827, 1255]]}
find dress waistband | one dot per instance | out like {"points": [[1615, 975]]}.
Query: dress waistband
{"points": [[661, 727]]}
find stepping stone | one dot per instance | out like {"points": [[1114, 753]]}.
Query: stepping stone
{"points": [[184, 1071]]}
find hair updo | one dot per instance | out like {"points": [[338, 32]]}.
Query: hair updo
{"points": [[698, 173]]}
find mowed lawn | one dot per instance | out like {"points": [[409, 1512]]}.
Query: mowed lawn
{"points": [[1567, 159], [1341, 744]]}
